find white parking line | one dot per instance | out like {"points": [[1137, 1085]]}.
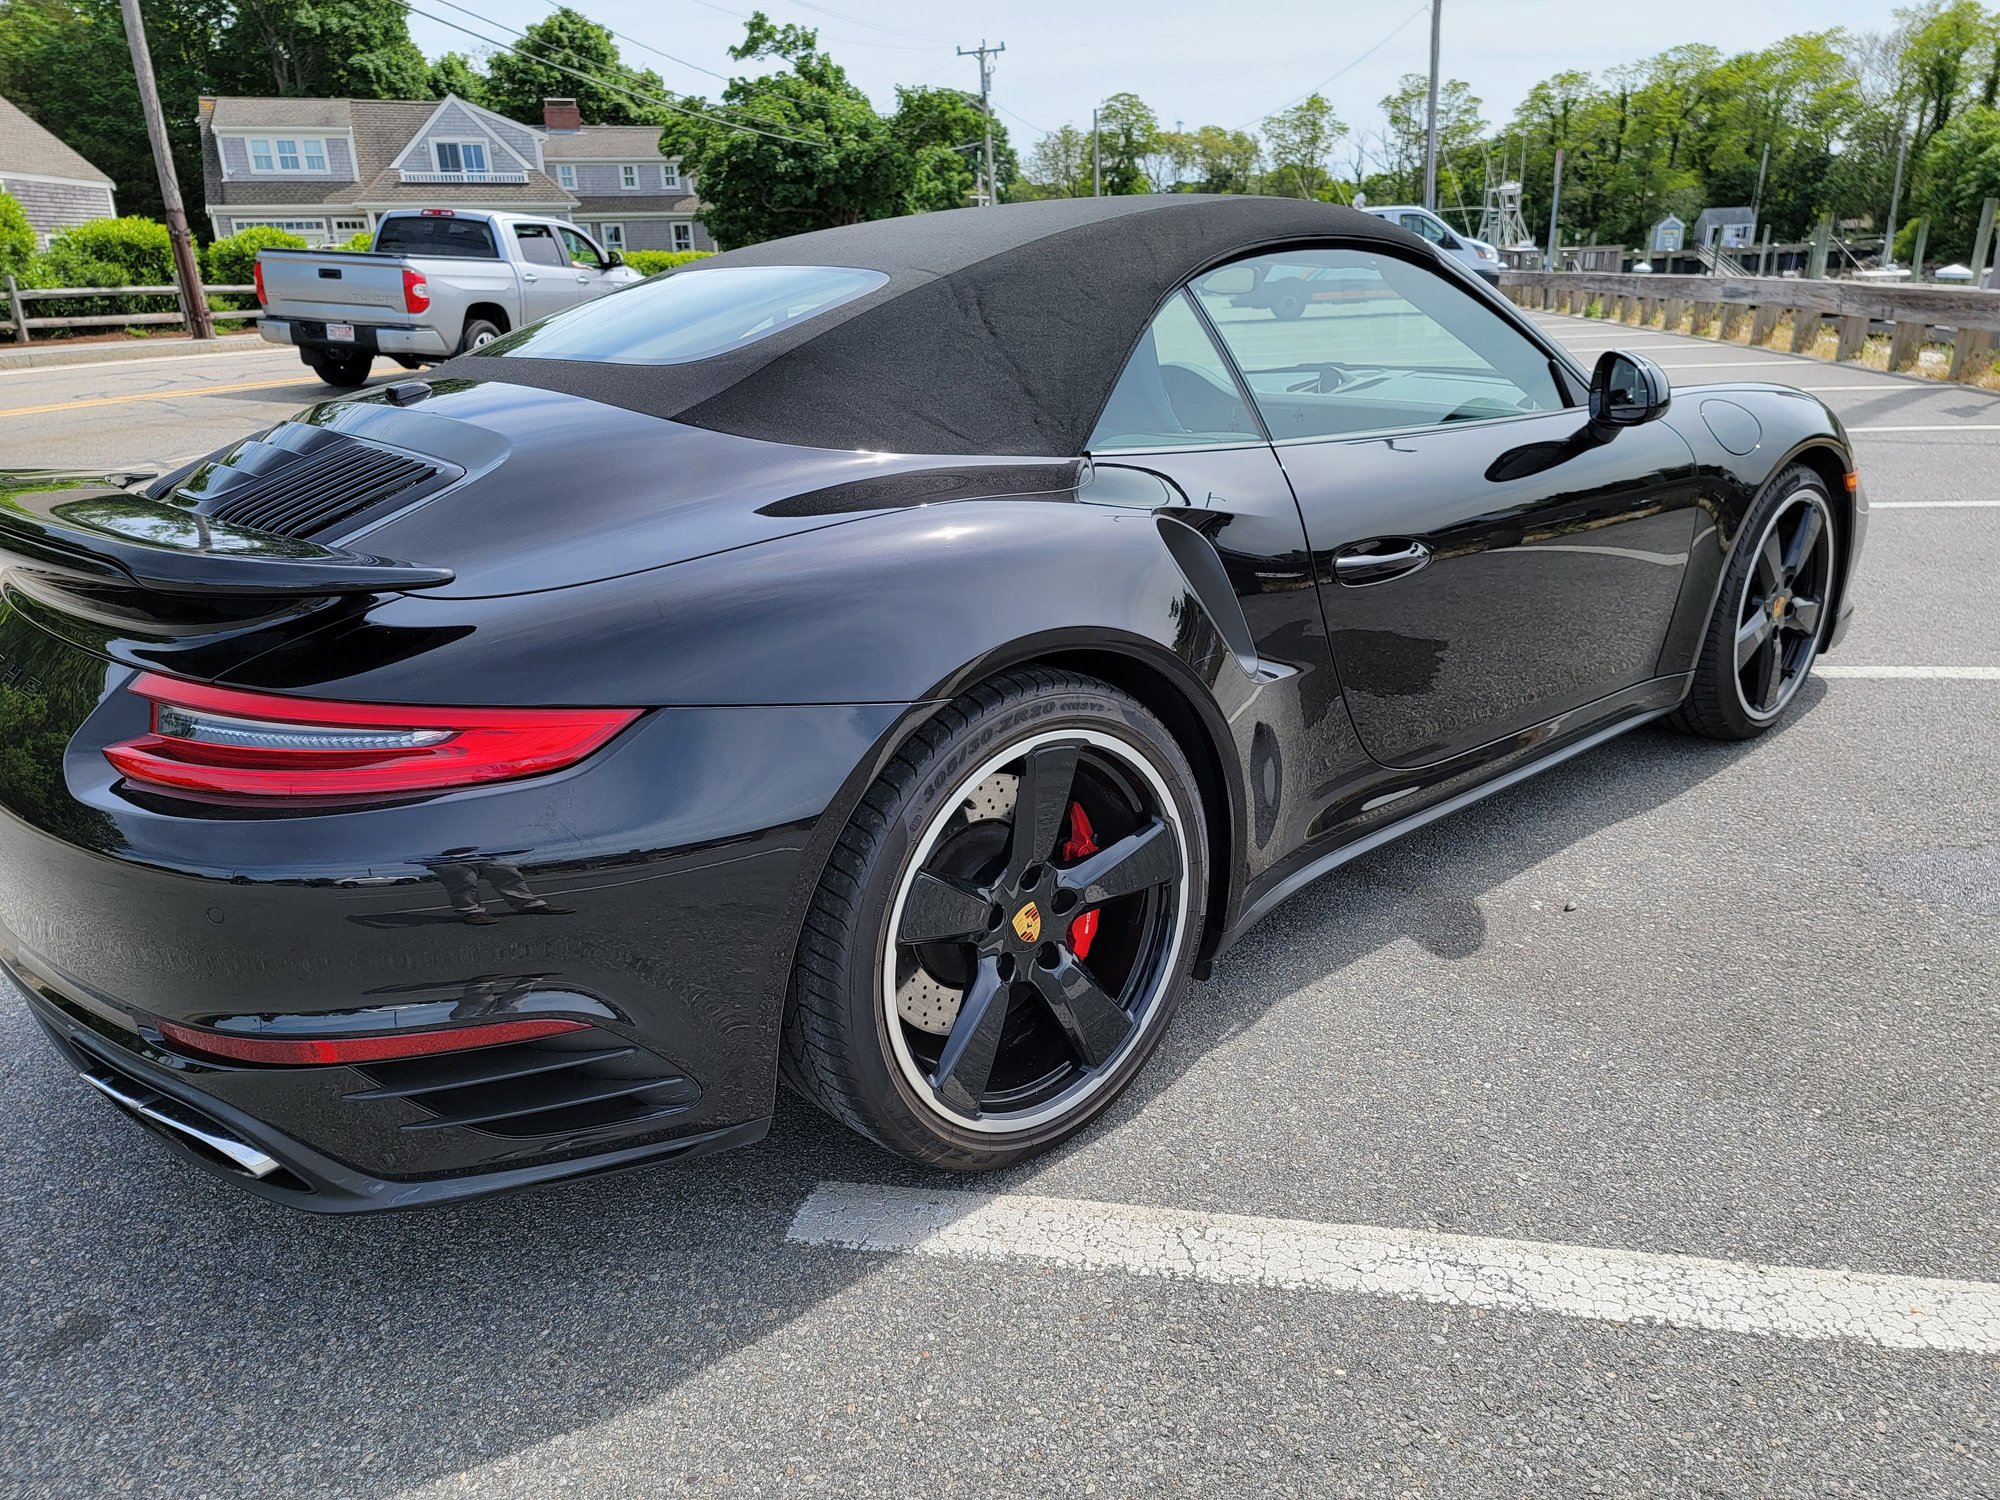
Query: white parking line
{"points": [[1937, 427], [1574, 1281], [1932, 504], [1906, 674]]}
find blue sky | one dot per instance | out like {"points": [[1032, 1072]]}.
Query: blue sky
{"points": [[1206, 63]]}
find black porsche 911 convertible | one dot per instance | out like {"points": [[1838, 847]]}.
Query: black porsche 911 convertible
{"points": [[893, 660]]}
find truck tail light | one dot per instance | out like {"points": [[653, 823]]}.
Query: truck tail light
{"points": [[257, 279], [416, 292], [222, 740]]}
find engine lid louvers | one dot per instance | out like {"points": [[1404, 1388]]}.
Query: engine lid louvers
{"points": [[307, 486]]}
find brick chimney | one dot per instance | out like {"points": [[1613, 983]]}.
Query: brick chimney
{"points": [[561, 114]]}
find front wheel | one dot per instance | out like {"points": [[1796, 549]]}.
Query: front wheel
{"points": [[1771, 615], [1005, 926]]}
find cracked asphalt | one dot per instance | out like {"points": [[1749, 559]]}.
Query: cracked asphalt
{"points": [[1670, 998]]}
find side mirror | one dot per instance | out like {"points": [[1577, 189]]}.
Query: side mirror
{"points": [[1626, 390], [614, 262], [1230, 280]]}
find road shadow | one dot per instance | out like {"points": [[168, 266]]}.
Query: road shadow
{"points": [[170, 1335]]}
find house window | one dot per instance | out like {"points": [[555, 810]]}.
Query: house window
{"points": [[349, 226], [311, 230], [670, 174], [628, 176], [288, 154], [613, 236], [566, 175], [684, 236], [468, 157]]}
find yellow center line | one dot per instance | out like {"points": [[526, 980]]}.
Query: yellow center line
{"points": [[188, 390]]}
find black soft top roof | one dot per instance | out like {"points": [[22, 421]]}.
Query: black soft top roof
{"points": [[999, 330]]}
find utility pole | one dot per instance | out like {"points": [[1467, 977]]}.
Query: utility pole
{"points": [[1895, 199], [1096, 160], [194, 300], [1757, 198], [1431, 115], [982, 52], [1555, 207]]}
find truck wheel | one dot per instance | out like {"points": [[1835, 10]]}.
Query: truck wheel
{"points": [[346, 369], [478, 333]]}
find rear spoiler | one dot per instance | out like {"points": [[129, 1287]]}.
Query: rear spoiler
{"points": [[102, 529]]}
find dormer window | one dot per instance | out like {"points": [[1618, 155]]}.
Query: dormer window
{"points": [[288, 154], [566, 175], [628, 176], [670, 175], [468, 157]]}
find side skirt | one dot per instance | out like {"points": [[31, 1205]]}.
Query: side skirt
{"points": [[1292, 884]]}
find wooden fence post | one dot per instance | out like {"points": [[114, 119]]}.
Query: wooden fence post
{"points": [[1805, 329], [1853, 334], [1984, 240], [1822, 242], [1676, 310], [1764, 323], [1732, 319], [1971, 352], [1704, 314], [1906, 343], [20, 309], [1917, 250]]}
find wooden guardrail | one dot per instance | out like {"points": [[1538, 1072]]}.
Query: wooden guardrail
{"points": [[22, 326], [1971, 318]]}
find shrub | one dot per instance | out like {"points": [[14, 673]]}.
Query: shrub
{"points": [[17, 239], [105, 252], [365, 240], [652, 262], [233, 261]]}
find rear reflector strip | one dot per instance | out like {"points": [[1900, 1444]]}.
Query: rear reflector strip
{"points": [[222, 740], [301, 1052]]}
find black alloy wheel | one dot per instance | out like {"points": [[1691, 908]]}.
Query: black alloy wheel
{"points": [[1033, 922], [1773, 613]]}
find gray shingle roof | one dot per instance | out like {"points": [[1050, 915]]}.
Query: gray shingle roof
{"points": [[233, 113], [605, 143], [637, 203], [30, 148]]}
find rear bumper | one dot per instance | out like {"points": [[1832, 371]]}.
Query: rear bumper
{"points": [[370, 338], [204, 1128]]}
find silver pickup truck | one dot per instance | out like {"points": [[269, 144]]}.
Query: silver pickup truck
{"points": [[438, 281]]}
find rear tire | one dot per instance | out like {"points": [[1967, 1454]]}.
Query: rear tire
{"points": [[970, 1035], [345, 370], [1773, 610], [478, 333]]}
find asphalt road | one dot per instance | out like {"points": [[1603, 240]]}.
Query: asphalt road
{"points": [[1672, 999]]}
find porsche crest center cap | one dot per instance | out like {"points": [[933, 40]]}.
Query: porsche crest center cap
{"points": [[1028, 923]]}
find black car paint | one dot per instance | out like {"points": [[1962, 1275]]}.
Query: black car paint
{"points": [[754, 629]]}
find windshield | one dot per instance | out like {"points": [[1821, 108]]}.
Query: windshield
{"points": [[689, 315]]}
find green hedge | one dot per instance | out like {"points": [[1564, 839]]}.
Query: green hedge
{"points": [[233, 261], [652, 262], [17, 238], [105, 252], [365, 240]]}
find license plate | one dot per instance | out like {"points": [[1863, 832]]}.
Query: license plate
{"points": [[340, 333]]}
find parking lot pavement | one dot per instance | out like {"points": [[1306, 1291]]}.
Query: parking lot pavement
{"points": [[1669, 1000]]}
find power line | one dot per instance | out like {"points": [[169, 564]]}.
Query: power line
{"points": [[1350, 67], [827, 10], [657, 101], [845, 41]]}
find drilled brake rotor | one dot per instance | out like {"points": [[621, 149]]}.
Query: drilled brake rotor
{"points": [[923, 1000]]}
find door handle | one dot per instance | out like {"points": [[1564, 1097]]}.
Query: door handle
{"points": [[583, 278], [529, 276], [1356, 567]]}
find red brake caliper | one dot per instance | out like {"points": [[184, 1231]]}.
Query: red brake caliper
{"points": [[1081, 842]]}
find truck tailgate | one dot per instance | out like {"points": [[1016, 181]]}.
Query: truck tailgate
{"points": [[333, 284]]}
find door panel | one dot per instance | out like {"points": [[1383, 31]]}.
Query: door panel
{"points": [[1552, 568]]}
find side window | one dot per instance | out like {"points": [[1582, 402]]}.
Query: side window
{"points": [[1176, 391], [1339, 343], [581, 251], [538, 246], [1424, 225]]}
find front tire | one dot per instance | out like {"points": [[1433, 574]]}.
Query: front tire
{"points": [[1005, 927], [1774, 609]]}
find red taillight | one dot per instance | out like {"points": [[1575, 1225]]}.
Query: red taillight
{"points": [[210, 739], [416, 292], [318, 1051], [257, 279]]}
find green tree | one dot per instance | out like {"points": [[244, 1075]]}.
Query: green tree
{"points": [[812, 153], [454, 73], [306, 48], [518, 81], [1298, 140], [1407, 111], [1960, 171], [943, 131], [1059, 166], [17, 237], [1125, 130], [1225, 161]]}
